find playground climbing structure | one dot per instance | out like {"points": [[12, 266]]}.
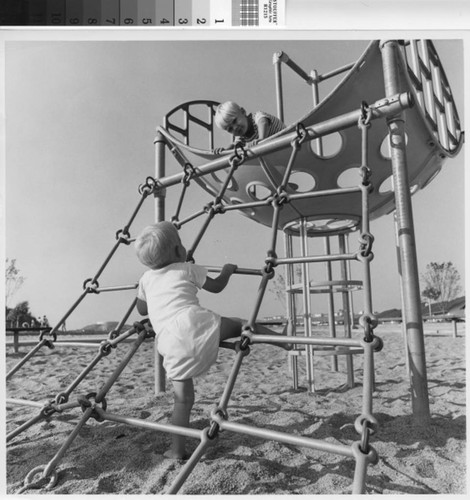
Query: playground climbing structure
{"points": [[288, 183]]}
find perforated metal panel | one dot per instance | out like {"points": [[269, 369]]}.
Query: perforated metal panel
{"points": [[432, 131]]}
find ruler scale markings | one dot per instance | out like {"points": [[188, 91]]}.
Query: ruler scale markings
{"points": [[221, 13], [128, 12], [109, 13], [73, 12], [91, 12], [150, 13], [201, 10], [183, 15], [165, 13], [146, 12], [37, 12], [55, 13]]}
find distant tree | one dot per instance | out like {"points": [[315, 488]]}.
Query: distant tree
{"points": [[441, 280], [430, 295], [13, 279], [20, 315]]}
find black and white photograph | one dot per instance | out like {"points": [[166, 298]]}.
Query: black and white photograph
{"points": [[234, 261]]}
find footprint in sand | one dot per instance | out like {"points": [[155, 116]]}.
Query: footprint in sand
{"points": [[39, 362]]}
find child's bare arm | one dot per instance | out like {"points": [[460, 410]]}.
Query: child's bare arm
{"points": [[142, 307], [263, 124], [216, 285]]}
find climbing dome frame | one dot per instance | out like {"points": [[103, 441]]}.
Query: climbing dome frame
{"points": [[397, 123]]}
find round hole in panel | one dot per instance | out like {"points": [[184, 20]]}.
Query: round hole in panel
{"points": [[349, 178], [387, 186], [385, 146], [331, 144], [329, 225], [301, 181], [258, 191], [341, 224], [232, 185]]}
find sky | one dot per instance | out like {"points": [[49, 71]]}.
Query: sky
{"points": [[80, 122]]}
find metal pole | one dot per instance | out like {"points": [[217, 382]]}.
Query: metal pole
{"points": [[307, 306], [160, 144], [318, 143], [403, 318], [346, 312], [350, 293], [291, 306], [278, 77], [331, 303], [406, 241]]}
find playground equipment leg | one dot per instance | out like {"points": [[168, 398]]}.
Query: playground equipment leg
{"points": [[190, 464], [307, 307], [346, 309], [360, 472], [403, 309], [160, 375], [331, 304], [406, 241]]}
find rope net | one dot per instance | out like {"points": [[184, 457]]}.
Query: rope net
{"points": [[93, 405]]}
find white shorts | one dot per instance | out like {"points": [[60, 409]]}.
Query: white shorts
{"points": [[189, 343]]}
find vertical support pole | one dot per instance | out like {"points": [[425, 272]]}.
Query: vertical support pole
{"points": [[331, 304], [186, 126], [278, 77], [403, 309], [160, 376], [454, 323], [406, 240], [16, 340], [346, 312], [351, 292], [317, 143], [307, 307], [291, 307], [360, 473]]}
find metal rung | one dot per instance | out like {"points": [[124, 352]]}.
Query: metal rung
{"points": [[328, 286], [328, 351]]}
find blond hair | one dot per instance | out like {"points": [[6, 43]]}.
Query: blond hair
{"points": [[226, 112], [155, 245]]}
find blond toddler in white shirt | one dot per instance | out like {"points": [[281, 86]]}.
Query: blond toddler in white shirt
{"points": [[187, 335]]}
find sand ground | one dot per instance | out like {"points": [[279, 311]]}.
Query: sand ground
{"points": [[115, 458]]}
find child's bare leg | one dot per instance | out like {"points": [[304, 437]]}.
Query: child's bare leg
{"points": [[263, 330], [232, 327], [184, 400]]}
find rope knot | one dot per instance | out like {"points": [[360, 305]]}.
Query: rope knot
{"points": [[91, 285], [123, 236], [148, 186], [366, 115]]}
